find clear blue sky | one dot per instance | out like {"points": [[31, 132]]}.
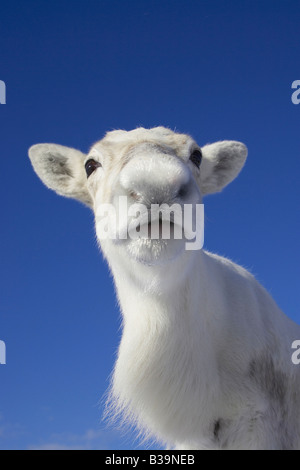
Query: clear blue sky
{"points": [[75, 69]]}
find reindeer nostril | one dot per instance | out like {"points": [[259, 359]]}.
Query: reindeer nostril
{"points": [[183, 191], [134, 195]]}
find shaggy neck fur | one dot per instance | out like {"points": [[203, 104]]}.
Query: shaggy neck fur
{"points": [[167, 345]]}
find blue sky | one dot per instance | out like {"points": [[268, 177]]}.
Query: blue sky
{"points": [[73, 70]]}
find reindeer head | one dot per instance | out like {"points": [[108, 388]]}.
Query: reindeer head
{"points": [[144, 168]]}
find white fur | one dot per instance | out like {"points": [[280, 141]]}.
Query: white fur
{"points": [[205, 356]]}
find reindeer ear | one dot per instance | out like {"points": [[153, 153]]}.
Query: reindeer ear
{"points": [[61, 169], [221, 163]]}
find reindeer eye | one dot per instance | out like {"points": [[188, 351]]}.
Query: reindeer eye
{"points": [[90, 166], [196, 157]]}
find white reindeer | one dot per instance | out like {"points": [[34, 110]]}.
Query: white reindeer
{"points": [[205, 356]]}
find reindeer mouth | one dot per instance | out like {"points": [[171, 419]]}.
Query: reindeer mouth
{"points": [[157, 229]]}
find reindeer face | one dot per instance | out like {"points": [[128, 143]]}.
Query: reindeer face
{"points": [[146, 178]]}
